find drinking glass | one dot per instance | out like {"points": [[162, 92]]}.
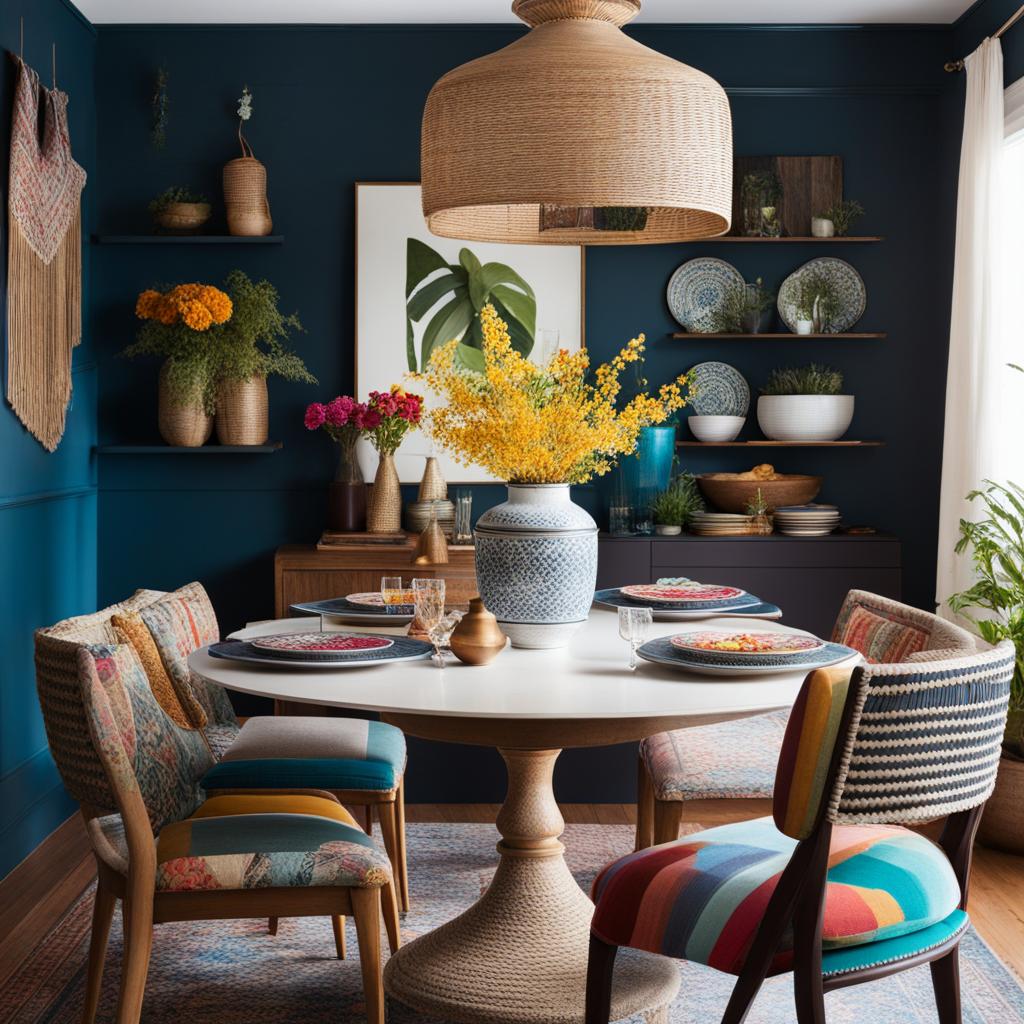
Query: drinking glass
{"points": [[463, 533], [634, 625], [441, 634], [428, 596], [391, 589]]}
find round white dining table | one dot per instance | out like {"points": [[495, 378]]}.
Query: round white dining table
{"points": [[519, 954]]}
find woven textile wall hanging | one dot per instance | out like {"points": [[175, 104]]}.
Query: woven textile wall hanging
{"points": [[44, 259]]}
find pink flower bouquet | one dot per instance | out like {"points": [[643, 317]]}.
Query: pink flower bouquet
{"points": [[389, 416]]}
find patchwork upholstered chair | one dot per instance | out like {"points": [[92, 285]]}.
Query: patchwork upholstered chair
{"points": [[362, 763], [832, 887], [687, 764], [170, 854]]}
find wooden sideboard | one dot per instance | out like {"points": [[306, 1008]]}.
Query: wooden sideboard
{"points": [[303, 573]]}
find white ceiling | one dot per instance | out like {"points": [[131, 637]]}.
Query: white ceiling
{"points": [[499, 11]]}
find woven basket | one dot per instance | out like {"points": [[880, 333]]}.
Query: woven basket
{"points": [[183, 218], [385, 512], [432, 486], [245, 196], [184, 426], [243, 411], [1002, 826]]}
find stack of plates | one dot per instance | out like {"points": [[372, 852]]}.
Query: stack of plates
{"points": [[417, 515], [720, 524], [807, 520]]}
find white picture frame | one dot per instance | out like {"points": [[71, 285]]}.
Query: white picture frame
{"points": [[387, 215]]}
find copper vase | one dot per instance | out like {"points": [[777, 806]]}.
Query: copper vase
{"points": [[243, 414], [385, 512], [477, 639]]}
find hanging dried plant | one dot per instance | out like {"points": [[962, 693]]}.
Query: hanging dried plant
{"points": [[160, 103]]}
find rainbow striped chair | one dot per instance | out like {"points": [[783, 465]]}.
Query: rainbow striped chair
{"points": [[687, 764], [832, 887]]}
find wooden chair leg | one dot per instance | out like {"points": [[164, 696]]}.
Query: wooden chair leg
{"points": [[668, 815], [272, 925], [403, 858], [366, 909], [338, 923], [368, 819], [389, 908], [644, 807], [102, 915], [138, 942], [946, 982], [388, 817], [600, 967]]}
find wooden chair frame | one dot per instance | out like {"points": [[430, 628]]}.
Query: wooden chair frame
{"points": [[799, 902]]}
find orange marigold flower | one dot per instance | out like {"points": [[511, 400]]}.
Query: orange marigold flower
{"points": [[147, 304], [195, 315]]}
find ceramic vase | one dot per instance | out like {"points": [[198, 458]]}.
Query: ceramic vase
{"points": [[346, 494], [647, 471], [536, 564], [477, 639], [385, 512], [822, 227]]}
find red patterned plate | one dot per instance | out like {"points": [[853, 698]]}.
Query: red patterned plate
{"points": [[680, 593], [375, 600], [321, 643], [718, 641]]}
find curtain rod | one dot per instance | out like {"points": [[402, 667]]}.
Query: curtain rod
{"points": [[958, 65]]}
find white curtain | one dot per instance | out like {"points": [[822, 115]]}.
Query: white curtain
{"points": [[977, 372]]}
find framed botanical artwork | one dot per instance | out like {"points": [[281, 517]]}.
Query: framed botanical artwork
{"points": [[416, 292]]}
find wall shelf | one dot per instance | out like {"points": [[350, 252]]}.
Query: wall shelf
{"points": [[206, 449], [780, 444], [857, 336], [795, 240], [188, 239]]}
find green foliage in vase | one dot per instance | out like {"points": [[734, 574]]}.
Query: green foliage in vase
{"points": [[175, 194], [465, 287], [762, 187], [758, 504], [739, 304], [677, 505], [996, 546], [844, 215], [817, 299], [160, 103], [621, 218], [804, 380]]}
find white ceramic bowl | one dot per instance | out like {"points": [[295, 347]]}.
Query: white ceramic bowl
{"points": [[716, 428], [804, 417]]}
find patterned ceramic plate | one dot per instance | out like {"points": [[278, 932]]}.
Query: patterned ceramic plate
{"points": [[851, 295], [320, 645], [402, 648], [697, 288], [661, 652], [612, 598], [716, 641], [374, 601], [718, 390], [339, 610], [681, 593]]}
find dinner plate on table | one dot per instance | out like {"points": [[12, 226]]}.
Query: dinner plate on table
{"points": [[399, 648], [688, 594], [612, 597], [343, 609], [320, 646]]}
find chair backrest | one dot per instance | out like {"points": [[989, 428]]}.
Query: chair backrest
{"points": [[885, 631], [893, 744]]}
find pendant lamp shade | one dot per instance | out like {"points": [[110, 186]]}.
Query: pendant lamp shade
{"points": [[576, 133]]}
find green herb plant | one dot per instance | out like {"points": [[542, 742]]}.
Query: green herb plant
{"points": [[844, 215], [160, 104], [817, 299], [175, 194], [813, 379], [741, 305], [758, 504], [677, 505]]}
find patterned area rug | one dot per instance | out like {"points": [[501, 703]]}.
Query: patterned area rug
{"points": [[235, 973]]}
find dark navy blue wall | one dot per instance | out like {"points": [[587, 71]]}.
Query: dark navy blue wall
{"points": [[337, 105], [48, 525]]}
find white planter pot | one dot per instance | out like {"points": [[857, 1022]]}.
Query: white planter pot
{"points": [[805, 327], [665, 530], [536, 564], [822, 227], [804, 417]]}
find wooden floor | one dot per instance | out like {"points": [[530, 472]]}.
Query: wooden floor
{"points": [[32, 901]]}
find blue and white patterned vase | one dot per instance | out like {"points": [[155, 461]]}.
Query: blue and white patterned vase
{"points": [[536, 564]]}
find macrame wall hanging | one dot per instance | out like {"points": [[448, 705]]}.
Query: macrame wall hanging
{"points": [[44, 264]]}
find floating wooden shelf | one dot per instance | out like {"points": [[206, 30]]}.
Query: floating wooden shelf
{"points": [[796, 239], [188, 239], [780, 444], [206, 449], [858, 336]]}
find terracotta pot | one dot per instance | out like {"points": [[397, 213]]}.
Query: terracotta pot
{"points": [[477, 639], [385, 512], [183, 218], [184, 426], [1002, 824], [243, 411]]}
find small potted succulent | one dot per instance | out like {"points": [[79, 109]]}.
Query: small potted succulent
{"points": [[804, 404], [180, 211], [674, 507]]}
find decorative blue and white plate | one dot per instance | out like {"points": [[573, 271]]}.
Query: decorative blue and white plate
{"points": [[698, 288], [344, 611], [718, 390], [611, 598], [402, 648], [851, 295], [661, 652]]}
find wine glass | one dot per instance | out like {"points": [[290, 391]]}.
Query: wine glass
{"points": [[428, 597], [634, 625], [391, 589]]}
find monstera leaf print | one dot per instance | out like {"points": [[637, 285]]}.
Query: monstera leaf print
{"points": [[453, 294]]}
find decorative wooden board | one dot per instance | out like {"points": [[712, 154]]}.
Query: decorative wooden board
{"points": [[332, 539], [810, 185]]}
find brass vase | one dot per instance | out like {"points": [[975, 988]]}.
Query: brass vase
{"points": [[477, 639], [183, 426], [432, 486], [385, 512], [243, 414]]}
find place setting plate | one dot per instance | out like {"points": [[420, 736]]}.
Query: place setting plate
{"points": [[688, 594], [363, 608], [322, 650], [612, 598], [734, 652]]}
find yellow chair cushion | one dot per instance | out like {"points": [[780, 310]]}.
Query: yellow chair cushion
{"points": [[273, 803]]}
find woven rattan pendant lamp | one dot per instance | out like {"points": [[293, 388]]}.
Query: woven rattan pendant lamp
{"points": [[576, 133]]}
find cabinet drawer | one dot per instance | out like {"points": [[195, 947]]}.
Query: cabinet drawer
{"points": [[781, 552]]}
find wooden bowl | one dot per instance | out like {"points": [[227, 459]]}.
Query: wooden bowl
{"points": [[735, 495]]}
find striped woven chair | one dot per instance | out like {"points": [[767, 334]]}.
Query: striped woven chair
{"points": [[687, 764], [832, 887], [170, 854], [361, 763]]}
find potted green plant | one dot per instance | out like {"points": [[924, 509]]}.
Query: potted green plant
{"points": [[995, 604], [760, 195], [814, 301], [674, 507], [743, 309], [804, 404], [760, 514], [180, 210], [844, 215]]}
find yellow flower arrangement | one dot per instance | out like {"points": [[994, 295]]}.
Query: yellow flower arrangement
{"points": [[531, 424], [198, 306]]}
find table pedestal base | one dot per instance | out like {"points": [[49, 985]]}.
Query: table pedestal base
{"points": [[519, 954]]}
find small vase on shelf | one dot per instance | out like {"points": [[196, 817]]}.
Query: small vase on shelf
{"points": [[432, 486], [385, 512]]}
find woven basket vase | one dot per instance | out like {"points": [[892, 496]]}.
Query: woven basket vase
{"points": [[385, 512], [243, 411], [245, 197], [183, 426], [183, 218]]}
